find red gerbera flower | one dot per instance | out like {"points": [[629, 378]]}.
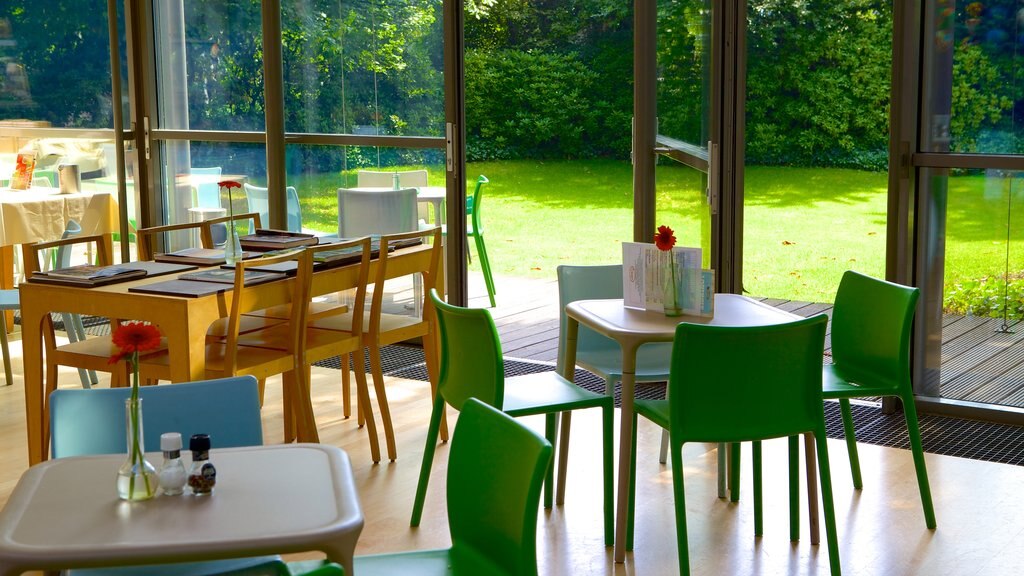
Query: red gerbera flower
{"points": [[229, 184], [665, 238], [135, 337]]}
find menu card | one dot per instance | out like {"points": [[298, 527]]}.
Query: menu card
{"points": [[23, 169], [643, 269]]}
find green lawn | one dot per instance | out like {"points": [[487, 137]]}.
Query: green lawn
{"points": [[803, 226]]}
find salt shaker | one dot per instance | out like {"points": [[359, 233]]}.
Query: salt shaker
{"points": [[202, 476], [172, 471]]}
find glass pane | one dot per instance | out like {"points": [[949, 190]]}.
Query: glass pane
{"points": [[981, 308], [815, 182], [316, 173], [363, 68], [682, 206], [973, 74], [684, 65], [55, 64], [209, 72]]}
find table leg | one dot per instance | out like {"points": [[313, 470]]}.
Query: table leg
{"points": [[7, 280], [812, 487], [572, 328], [32, 357], [625, 448], [187, 348]]}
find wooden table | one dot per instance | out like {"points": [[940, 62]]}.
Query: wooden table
{"points": [[632, 327], [184, 321], [289, 498], [41, 215]]}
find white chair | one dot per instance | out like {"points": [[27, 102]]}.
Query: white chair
{"points": [[377, 212], [259, 202], [407, 179]]}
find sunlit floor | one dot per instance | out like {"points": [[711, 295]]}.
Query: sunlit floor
{"points": [[881, 529]]}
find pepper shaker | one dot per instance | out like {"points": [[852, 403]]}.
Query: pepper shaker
{"points": [[202, 476]]}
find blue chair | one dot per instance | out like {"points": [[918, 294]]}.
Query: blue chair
{"points": [[260, 203], [207, 194], [9, 300], [495, 472], [92, 422], [73, 322]]}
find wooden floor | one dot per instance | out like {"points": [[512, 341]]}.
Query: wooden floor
{"points": [[881, 529]]}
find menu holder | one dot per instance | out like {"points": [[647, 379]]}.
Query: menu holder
{"points": [[268, 239], [88, 275], [227, 276], [181, 288], [643, 268], [200, 256]]}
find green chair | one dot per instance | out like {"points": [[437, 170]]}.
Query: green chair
{"points": [[871, 324], [475, 230], [472, 366], [495, 472], [774, 392]]}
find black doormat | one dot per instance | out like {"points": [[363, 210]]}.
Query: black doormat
{"points": [[944, 435]]}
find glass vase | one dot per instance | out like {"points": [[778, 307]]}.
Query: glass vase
{"points": [[232, 247], [671, 284], [136, 478]]}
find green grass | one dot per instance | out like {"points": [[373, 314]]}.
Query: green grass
{"points": [[803, 226]]}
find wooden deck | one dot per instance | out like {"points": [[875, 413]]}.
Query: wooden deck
{"points": [[979, 362]]}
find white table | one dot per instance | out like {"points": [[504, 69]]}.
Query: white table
{"points": [[288, 498], [631, 327]]}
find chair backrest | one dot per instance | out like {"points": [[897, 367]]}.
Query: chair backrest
{"points": [[473, 202], [207, 191], [364, 213], [63, 256], [377, 179], [259, 202], [732, 384], [586, 283], [146, 236], [471, 360], [358, 246], [213, 232], [495, 473], [244, 300], [93, 422], [31, 252], [871, 325]]}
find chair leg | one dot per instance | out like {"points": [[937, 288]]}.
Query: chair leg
{"points": [[663, 455], [363, 407], [7, 355], [631, 500], [485, 265], [722, 470], [914, 431], [794, 488], [432, 359], [428, 459], [608, 431], [550, 433], [563, 455], [734, 472], [827, 503], [288, 401], [812, 490], [758, 514], [382, 402], [76, 321], [851, 442], [682, 543], [346, 386]]}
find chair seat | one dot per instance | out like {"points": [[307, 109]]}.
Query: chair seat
{"points": [[388, 322], [654, 410], [546, 392], [427, 563], [836, 384], [651, 362], [316, 310], [93, 353], [278, 338], [9, 300], [246, 357], [246, 324]]}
